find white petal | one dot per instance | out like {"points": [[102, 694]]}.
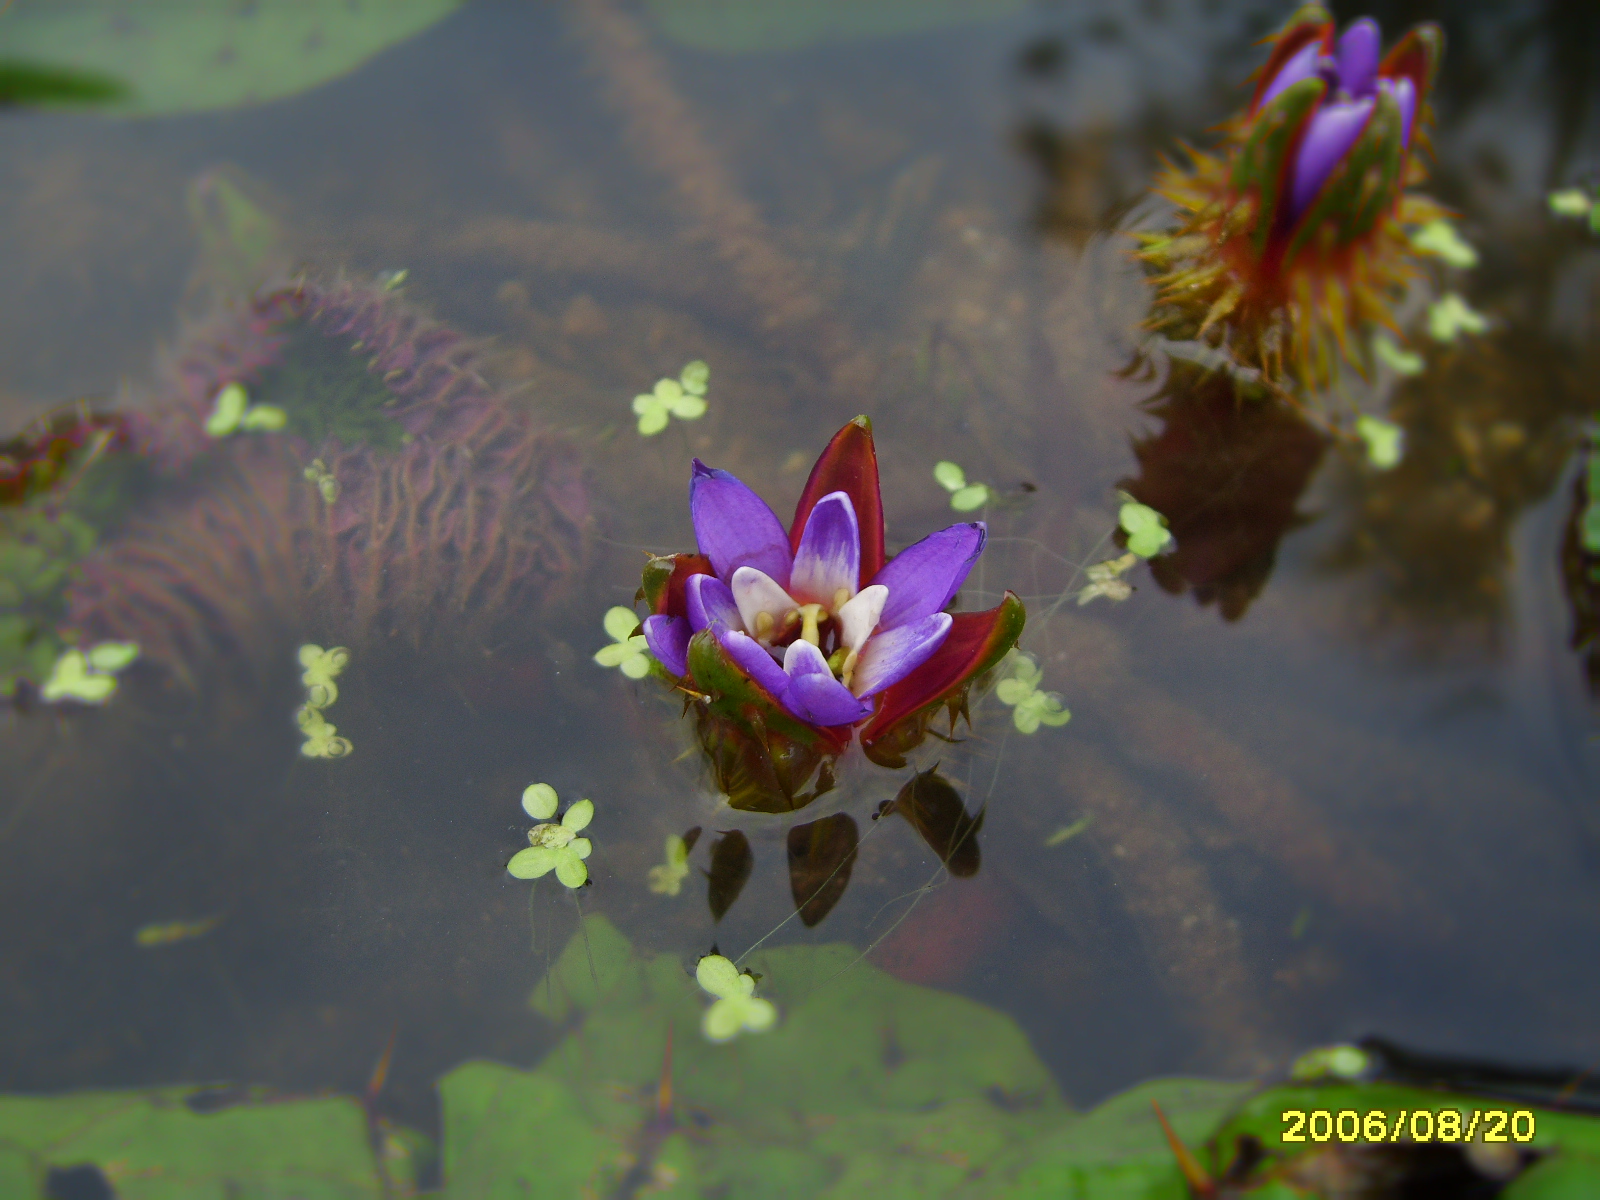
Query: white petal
{"points": [[756, 592], [859, 616]]}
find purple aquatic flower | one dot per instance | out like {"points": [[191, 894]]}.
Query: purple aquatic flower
{"points": [[1354, 78], [802, 624]]}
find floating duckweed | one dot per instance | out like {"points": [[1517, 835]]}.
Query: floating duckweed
{"points": [[736, 1007], [667, 879], [628, 651], [683, 398], [1105, 579], [227, 410], [319, 734], [327, 486], [1385, 441], [268, 417], [1401, 362], [88, 677], [231, 411], [964, 496], [554, 847], [1147, 529], [1570, 202], [1345, 1062], [320, 668], [1031, 707], [1450, 316], [1440, 239], [113, 656], [539, 801]]}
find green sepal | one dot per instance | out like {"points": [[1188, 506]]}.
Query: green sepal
{"points": [[1262, 166], [1364, 184], [664, 578], [734, 696]]}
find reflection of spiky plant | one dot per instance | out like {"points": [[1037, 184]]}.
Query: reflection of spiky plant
{"points": [[1227, 476], [433, 510], [1292, 237]]}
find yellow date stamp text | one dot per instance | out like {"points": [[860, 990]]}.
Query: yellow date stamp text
{"points": [[1407, 1125]]}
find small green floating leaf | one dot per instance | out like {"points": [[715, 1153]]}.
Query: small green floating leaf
{"points": [[1401, 362], [667, 879], [72, 679], [1440, 239], [113, 656], [1385, 441], [951, 477], [736, 1008], [227, 410], [695, 377], [264, 417], [629, 652], [1571, 202], [1031, 707], [539, 801], [1450, 316], [964, 496], [683, 398], [1147, 529]]}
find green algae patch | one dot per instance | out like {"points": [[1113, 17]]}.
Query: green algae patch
{"points": [[190, 1144]]}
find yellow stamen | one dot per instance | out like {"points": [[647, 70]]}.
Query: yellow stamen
{"points": [[809, 615], [849, 667], [764, 623], [839, 599]]}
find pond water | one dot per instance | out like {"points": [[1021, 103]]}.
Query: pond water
{"points": [[1331, 769]]}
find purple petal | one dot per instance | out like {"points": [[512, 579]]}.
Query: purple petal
{"points": [[1358, 57], [1405, 95], [711, 603], [828, 559], [1328, 138], [668, 639], [812, 686], [734, 527], [924, 577], [893, 654], [1301, 65], [755, 662]]}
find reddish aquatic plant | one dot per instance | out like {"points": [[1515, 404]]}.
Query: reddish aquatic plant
{"points": [[53, 449], [1292, 237], [429, 509]]}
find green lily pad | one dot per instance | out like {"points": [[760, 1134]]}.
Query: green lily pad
{"points": [[740, 27], [190, 1144], [176, 56]]}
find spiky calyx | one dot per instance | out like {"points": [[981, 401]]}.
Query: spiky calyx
{"points": [[1290, 238]]}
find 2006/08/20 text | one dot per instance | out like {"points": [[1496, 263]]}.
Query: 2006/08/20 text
{"points": [[1417, 1125]]}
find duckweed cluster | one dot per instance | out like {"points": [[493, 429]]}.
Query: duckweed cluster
{"points": [[321, 668]]}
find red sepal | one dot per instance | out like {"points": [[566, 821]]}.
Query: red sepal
{"points": [[1415, 57], [1311, 24], [665, 577], [977, 641], [848, 465]]}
